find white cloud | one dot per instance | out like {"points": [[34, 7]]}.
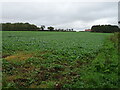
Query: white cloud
{"points": [[59, 0], [77, 15]]}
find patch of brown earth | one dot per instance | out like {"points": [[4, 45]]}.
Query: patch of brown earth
{"points": [[11, 78], [19, 57]]}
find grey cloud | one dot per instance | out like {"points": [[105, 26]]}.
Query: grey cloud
{"points": [[59, 14]]}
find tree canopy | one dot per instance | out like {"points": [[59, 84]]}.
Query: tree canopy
{"points": [[42, 27], [19, 27], [51, 28], [105, 28], [29, 27]]}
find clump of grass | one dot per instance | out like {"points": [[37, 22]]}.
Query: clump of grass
{"points": [[102, 72]]}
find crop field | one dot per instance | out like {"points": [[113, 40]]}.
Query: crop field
{"points": [[33, 59]]}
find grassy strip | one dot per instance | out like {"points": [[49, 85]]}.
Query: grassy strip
{"points": [[103, 71]]}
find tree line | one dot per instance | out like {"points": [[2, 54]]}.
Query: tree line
{"points": [[28, 27], [105, 28], [19, 27], [32, 27]]}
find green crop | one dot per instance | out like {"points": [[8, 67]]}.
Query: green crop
{"points": [[57, 59]]}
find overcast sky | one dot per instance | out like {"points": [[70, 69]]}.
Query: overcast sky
{"points": [[76, 15]]}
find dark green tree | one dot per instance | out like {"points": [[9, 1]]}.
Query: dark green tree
{"points": [[118, 22], [105, 28], [51, 28], [19, 27], [42, 27]]}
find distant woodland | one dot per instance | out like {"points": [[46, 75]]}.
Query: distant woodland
{"points": [[19, 27], [32, 27], [29, 27], [105, 28]]}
